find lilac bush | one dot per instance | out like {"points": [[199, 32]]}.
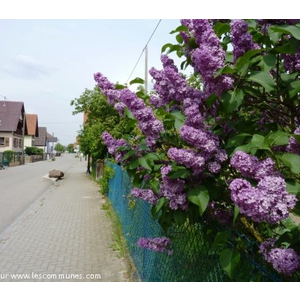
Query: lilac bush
{"points": [[220, 145]]}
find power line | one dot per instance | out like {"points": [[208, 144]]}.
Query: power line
{"points": [[143, 50]]}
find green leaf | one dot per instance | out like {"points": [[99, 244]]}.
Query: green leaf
{"points": [[293, 187], [179, 38], [200, 197], [278, 138], [155, 186], [287, 29], [156, 208], [179, 118], [289, 223], [130, 153], [221, 28], [166, 46], [220, 240], [180, 172], [229, 259], [232, 100], [292, 161], [237, 140], [145, 163], [179, 29], [290, 47], [236, 212], [179, 216], [225, 70], [133, 164], [119, 86], [137, 80], [267, 62], [264, 79], [294, 88]]}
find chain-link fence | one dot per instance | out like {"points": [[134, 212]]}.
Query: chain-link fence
{"points": [[193, 259]]}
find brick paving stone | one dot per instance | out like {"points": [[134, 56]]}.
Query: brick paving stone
{"points": [[64, 234]]}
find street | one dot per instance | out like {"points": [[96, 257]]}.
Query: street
{"points": [[20, 186]]}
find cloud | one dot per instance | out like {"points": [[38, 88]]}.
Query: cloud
{"points": [[26, 67]]}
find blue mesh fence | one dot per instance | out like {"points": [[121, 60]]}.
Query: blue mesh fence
{"points": [[193, 258]]}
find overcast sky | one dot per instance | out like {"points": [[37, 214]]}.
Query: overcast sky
{"points": [[48, 63]]}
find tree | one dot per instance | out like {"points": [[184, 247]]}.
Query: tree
{"points": [[101, 117], [70, 148], [59, 148]]}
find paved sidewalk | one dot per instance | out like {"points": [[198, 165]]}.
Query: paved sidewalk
{"points": [[63, 236]]}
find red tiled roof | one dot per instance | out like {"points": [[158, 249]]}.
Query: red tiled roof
{"points": [[32, 124], [10, 113]]}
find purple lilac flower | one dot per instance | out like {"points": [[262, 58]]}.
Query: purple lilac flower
{"points": [[188, 158], [284, 260], [194, 117], [268, 202], [241, 38], [170, 85], [214, 167], [209, 57], [113, 145], [158, 244], [145, 194], [294, 146], [291, 62], [147, 122], [246, 164], [203, 140], [173, 189], [108, 88], [250, 166]]}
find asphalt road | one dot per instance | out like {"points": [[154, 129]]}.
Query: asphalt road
{"points": [[20, 186]]}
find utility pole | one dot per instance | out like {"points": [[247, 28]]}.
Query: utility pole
{"points": [[146, 69], [23, 138]]}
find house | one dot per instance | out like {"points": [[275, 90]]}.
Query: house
{"points": [[12, 126], [51, 142], [41, 140], [32, 130]]}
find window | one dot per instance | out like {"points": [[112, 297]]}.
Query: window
{"points": [[15, 142], [4, 142], [20, 143]]}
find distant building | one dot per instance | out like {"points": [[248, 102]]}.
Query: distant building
{"points": [[51, 142], [32, 130], [41, 140], [12, 125]]}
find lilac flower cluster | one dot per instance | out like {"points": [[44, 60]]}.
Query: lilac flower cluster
{"points": [[170, 85], [113, 145], [291, 62], [108, 88], [147, 122], [208, 57], [146, 194], [192, 111], [173, 190], [250, 166], [158, 244], [294, 146], [284, 260], [187, 157], [241, 38], [269, 201], [207, 145]]}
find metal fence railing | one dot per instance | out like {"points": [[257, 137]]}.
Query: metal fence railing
{"points": [[193, 259]]}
